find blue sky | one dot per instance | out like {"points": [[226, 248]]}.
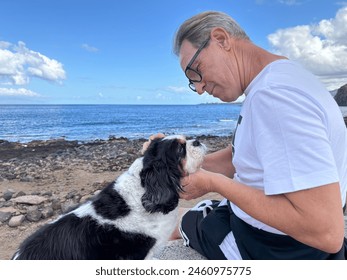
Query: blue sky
{"points": [[120, 52]]}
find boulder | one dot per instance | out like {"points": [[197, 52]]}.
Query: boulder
{"points": [[341, 96]]}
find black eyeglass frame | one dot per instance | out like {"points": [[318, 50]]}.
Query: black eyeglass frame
{"points": [[188, 68]]}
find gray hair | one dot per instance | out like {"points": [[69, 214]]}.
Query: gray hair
{"points": [[197, 29]]}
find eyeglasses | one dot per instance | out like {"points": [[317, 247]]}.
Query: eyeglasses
{"points": [[193, 75]]}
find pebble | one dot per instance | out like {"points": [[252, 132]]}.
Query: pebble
{"points": [[56, 204], [5, 216], [68, 206], [8, 194], [34, 215], [47, 212], [16, 221]]}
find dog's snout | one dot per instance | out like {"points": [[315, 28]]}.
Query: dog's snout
{"points": [[196, 143]]}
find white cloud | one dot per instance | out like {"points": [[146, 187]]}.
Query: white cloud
{"points": [[290, 2], [4, 45], [18, 65], [321, 47], [89, 48], [285, 2], [17, 92], [176, 89]]}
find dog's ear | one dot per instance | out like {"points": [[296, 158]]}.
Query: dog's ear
{"points": [[161, 175]]}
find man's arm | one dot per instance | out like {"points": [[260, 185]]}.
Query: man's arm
{"points": [[220, 162]]}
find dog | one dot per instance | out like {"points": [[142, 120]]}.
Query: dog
{"points": [[132, 218]]}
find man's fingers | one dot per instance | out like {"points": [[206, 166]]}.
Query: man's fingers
{"points": [[155, 136], [151, 138]]}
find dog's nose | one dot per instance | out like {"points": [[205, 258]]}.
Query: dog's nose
{"points": [[196, 143]]}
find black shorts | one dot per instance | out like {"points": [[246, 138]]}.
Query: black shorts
{"points": [[204, 228], [211, 224]]}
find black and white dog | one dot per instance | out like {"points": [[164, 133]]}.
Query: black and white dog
{"points": [[131, 218]]}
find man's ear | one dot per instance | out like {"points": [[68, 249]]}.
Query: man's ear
{"points": [[222, 37]]}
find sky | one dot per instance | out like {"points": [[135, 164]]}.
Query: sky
{"points": [[120, 52]]}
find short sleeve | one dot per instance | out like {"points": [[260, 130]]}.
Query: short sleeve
{"points": [[291, 141]]}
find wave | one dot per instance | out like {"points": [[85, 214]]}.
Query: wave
{"points": [[226, 120], [101, 123]]}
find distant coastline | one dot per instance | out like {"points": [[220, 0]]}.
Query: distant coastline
{"points": [[221, 103]]}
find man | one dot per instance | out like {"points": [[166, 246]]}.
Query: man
{"points": [[284, 177]]}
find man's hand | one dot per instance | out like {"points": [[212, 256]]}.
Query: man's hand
{"points": [[151, 138], [196, 184]]}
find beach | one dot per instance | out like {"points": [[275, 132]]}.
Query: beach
{"points": [[40, 180]]}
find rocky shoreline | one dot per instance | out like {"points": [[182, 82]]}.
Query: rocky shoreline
{"points": [[41, 180]]}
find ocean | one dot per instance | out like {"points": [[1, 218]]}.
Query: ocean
{"points": [[25, 123]]}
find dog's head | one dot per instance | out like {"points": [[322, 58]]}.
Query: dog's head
{"points": [[165, 162]]}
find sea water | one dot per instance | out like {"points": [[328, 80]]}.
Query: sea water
{"points": [[25, 123]]}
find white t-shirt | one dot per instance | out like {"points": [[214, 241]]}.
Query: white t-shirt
{"points": [[291, 137]]}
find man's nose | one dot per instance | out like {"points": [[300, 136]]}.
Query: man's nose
{"points": [[200, 87]]}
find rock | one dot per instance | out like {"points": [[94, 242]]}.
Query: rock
{"points": [[35, 193], [34, 215], [47, 212], [85, 198], [6, 203], [20, 193], [8, 194], [175, 250], [30, 199], [26, 179], [16, 221], [68, 206], [5, 216], [9, 209], [341, 96], [56, 204], [48, 193], [71, 195]]}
